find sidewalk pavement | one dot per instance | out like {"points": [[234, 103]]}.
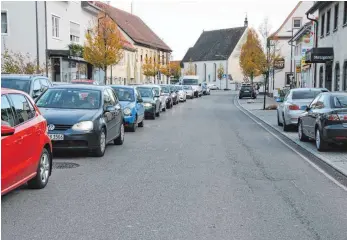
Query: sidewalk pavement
{"points": [[336, 157]]}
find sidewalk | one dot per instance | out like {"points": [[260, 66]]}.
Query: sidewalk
{"points": [[337, 157]]}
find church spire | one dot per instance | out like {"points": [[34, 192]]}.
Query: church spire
{"points": [[246, 21]]}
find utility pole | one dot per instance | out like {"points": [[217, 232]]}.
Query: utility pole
{"points": [[267, 72], [37, 41]]}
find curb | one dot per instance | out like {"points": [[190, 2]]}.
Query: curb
{"points": [[323, 159]]}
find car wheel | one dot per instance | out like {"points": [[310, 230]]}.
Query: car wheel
{"points": [[278, 119], [240, 97], [140, 123], [120, 139], [153, 115], [321, 145], [301, 134], [43, 171], [285, 126], [158, 113], [100, 150], [164, 109], [133, 126]]}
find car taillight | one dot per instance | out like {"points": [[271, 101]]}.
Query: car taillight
{"points": [[333, 117], [294, 107]]}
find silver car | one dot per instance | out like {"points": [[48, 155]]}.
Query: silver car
{"points": [[163, 97], [181, 93], [189, 91], [294, 105]]}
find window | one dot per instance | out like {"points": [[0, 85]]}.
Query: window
{"points": [[345, 13], [37, 85], [107, 99], [337, 77], [336, 16], [141, 58], [22, 108], [305, 94], [4, 23], [344, 79], [7, 117], [314, 102], [339, 101], [55, 26], [328, 21], [297, 23], [74, 32], [45, 83], [113, 96], [162, 59], [322, 25], [321, 77]]}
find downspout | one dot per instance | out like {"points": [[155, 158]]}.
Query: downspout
{"points": [[46, 38], [315, 45]]}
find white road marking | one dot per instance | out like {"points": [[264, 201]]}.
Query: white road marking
{"points": [[290, 147]]}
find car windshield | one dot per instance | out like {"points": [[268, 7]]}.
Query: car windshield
{"points": [[305, 94], [17, 84], [340, 101], [165, 89], [146, 92], [190, 82], [179, 88], [187, 87], [125, 94], [70, 99]]}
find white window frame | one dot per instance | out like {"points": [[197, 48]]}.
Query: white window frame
{"points": [[298, 18], [53, 27], [79, 37], [8, 24]]}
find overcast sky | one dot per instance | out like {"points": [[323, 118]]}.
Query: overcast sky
{"points": [[179, 23]]}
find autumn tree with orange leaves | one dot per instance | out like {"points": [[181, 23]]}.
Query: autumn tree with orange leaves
{"points": [[150, 68], [103, 46], [252, 58]]}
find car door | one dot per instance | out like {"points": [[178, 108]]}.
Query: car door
{"points": [[281, 106], [157, 100], [10, 156], [306, 118], [109, 116], [313, 113], [118, 110], [139, 106]]}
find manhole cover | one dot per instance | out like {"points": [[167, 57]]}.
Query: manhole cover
{"points": [[63, 165]]}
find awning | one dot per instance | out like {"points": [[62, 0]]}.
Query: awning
{"points": [[319, 55]]}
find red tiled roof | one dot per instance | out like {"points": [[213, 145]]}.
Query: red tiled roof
{"points": [[133, 26]]}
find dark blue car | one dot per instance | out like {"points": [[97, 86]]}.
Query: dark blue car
{"points": [[131, 102]]}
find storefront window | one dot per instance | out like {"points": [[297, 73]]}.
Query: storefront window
{"points": [[337, 77], [344, 80], [321, 77], [328, 76], [73, 70]]}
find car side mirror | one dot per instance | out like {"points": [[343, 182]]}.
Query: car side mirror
{"points": [[139, 100], [7, 130], [307, 108], [110, 108]]}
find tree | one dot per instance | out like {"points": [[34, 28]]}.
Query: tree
{"points": [[252, 58], [175, 69], [165, 69], [191, 68], [220, 72], [103, 46], [18, 63], [147, 68]]}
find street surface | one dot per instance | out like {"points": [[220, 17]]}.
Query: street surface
{"points": [[203, 170]]}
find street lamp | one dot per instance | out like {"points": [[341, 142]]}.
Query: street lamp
{"points": [[226, 70]]}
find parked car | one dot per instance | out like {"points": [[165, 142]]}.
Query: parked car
{"points": [[174, 95], [325, 120], [205, 89], [212, 86], [151, 101], [34, 85], [194, 82], [182, 97], [26, 150], [82, 117], [294, 104], [189, 91], [165, 91], [131, 101], [162, 97], [85, 81], [247, 91], [60, 83]]}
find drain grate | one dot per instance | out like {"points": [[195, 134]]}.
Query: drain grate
{"points": [[64, 165]]}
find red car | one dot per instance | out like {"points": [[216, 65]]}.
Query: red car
{"points": [[26, 148]]}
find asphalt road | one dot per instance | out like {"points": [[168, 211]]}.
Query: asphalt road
{"points": [[203, 170]]}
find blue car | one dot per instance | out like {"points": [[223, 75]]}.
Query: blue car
{"points": [[131, 102]]}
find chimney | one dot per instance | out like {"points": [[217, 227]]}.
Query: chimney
{"points": [[246, 21]]}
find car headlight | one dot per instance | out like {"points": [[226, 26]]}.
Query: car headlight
{"points": [[83, 126], [147, 104], [127, 111]]}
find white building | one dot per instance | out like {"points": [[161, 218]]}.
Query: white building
{"points": [[295, 20], [215, 49], [330, 55]]}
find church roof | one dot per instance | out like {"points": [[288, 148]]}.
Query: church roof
{"points": [[215, 45]]}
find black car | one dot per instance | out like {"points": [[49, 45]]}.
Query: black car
{"points": [[167, 93], [247, 91], [174, 94], [325, 120], [34, 85], [84, 117]]}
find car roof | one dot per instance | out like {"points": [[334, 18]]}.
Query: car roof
{"points": [[122, 86], [81, 86], [22, 76], [8, 90], [151, 85], [145, 86]]}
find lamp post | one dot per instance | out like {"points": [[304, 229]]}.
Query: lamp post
{"points": [[226, 70]]}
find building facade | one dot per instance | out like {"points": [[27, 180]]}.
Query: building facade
{"points": [[330, 56]]}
